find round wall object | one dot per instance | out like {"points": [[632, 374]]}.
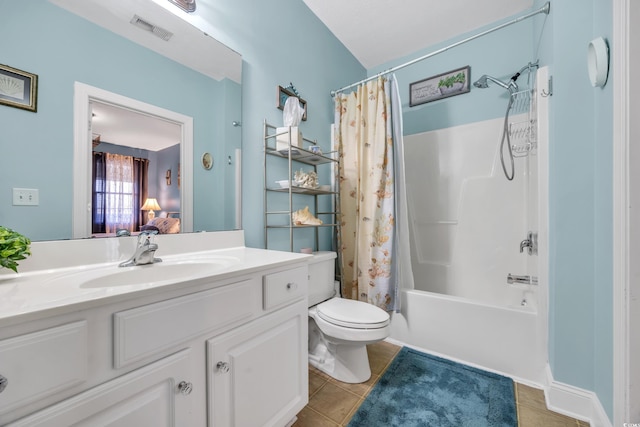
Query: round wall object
{"points": [[598, 61], [207, 161]]}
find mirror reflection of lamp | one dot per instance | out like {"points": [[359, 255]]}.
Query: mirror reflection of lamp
{"points": [[151, 205]]}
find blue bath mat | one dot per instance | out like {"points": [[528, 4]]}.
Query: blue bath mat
{"points": [[423, 390]]}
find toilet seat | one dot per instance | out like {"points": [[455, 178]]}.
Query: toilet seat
{"points": [[352, 314]]}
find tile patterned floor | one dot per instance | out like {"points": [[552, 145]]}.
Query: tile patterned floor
{"points": [[332, 403]]}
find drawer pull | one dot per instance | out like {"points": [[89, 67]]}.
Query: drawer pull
{"points": [[185, 388], [292, 286], [3, 383], [223, 367]]}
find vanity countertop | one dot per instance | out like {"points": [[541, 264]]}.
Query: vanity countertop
{"points": [[46, 291]]}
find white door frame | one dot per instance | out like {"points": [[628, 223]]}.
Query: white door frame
{"points": [[626, 222], [83, 96]]}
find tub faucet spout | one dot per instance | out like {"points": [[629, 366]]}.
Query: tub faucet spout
{"points": [[145, 251], [513, 279]]}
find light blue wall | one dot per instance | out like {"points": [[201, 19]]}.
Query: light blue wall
{"points": [[37, 148], [580, 199], [500, 54], [581, 309], [571, 202], [281, 41], [603, 194], [580, 203]]}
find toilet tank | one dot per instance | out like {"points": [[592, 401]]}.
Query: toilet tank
{"points": [[322, 267]]}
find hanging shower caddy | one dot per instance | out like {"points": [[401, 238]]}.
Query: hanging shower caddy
{"points": [[522, 132]]}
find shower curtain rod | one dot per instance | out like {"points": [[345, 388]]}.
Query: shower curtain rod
{"points": [[544, 9]]}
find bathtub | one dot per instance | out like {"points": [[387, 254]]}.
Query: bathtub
{"points": [[504, 340]]}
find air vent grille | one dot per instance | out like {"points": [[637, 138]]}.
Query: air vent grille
{"points": [[153, 29]]}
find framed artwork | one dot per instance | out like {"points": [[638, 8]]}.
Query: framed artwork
{"points": [[283, 94], [18, 88], [451, 83]]}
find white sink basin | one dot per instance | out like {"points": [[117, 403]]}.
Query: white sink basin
{"points": [[158, 273]]}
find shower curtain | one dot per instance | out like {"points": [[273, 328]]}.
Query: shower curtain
{"points": [[367, 130]]}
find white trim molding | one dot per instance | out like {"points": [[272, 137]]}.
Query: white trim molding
{"points": [[575, 402], [624, 248]]}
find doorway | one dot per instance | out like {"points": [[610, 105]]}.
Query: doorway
{"points": [[84, 97]]}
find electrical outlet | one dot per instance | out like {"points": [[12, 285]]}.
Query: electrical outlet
{"points": [[26, 197]]}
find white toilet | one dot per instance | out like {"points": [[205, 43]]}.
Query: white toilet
{"points": [[340, 329]]}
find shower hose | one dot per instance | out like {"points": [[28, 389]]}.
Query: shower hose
{"points": [[506, 137]]}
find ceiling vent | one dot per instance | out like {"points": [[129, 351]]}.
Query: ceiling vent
{"points": [[153, 29]]}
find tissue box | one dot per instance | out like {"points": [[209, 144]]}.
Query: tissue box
{"points": [[282, 141]]}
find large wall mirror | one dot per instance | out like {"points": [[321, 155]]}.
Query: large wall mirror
{"points": [[93, 62]]}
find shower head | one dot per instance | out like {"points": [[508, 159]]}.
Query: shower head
{"points": [[483, 83]]}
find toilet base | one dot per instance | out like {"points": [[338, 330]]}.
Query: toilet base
{"points": [[345, 362]]}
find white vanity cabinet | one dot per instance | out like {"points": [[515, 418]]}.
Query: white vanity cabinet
{"points": [[257, 374], [153, 395], [229, 352]]}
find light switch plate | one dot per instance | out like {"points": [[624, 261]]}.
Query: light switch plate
{"points": [[26, 197]]}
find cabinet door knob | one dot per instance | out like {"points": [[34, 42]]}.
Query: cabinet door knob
{"points": [[292, 286], [3, 383], [222, 367], [185, 387]]}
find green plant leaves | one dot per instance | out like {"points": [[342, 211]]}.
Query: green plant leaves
{"points": [[449, 81], [13, 247]]}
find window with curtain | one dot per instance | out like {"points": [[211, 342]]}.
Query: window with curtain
{"points": [[119, 190]]}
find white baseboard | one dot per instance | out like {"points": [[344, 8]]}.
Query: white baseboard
{"points": [[575, 402]]}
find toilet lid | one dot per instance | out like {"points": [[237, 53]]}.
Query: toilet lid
{"points": [[352, 314]]}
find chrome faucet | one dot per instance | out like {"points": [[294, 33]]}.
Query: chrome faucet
{"points": [[526, 243], [145, 251]]}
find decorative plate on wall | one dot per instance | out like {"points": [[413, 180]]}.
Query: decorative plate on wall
{"points": [[207, 161]]}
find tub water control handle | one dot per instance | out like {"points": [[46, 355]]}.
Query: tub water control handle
{"points": [[531, 243], [3, 383], [222, 367]]}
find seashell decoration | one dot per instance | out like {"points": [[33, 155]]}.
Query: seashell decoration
{"points": [[306, 180], [304, 217], [11, 87]]}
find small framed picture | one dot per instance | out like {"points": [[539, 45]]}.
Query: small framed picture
{"points": [[18, 88], [443, 85], [283, 94]]}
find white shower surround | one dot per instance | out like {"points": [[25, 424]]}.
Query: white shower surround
{"points": [[466, 219], [466, 224]]}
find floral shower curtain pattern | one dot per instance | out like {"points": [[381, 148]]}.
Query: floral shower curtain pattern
{"points": [[367, 199]]}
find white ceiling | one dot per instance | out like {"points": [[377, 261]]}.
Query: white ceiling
{"points": [[185, 46], [120, 126], [378, 31]]}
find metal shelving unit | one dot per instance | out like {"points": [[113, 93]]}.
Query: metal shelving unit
{"points": [[296, 156]]}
